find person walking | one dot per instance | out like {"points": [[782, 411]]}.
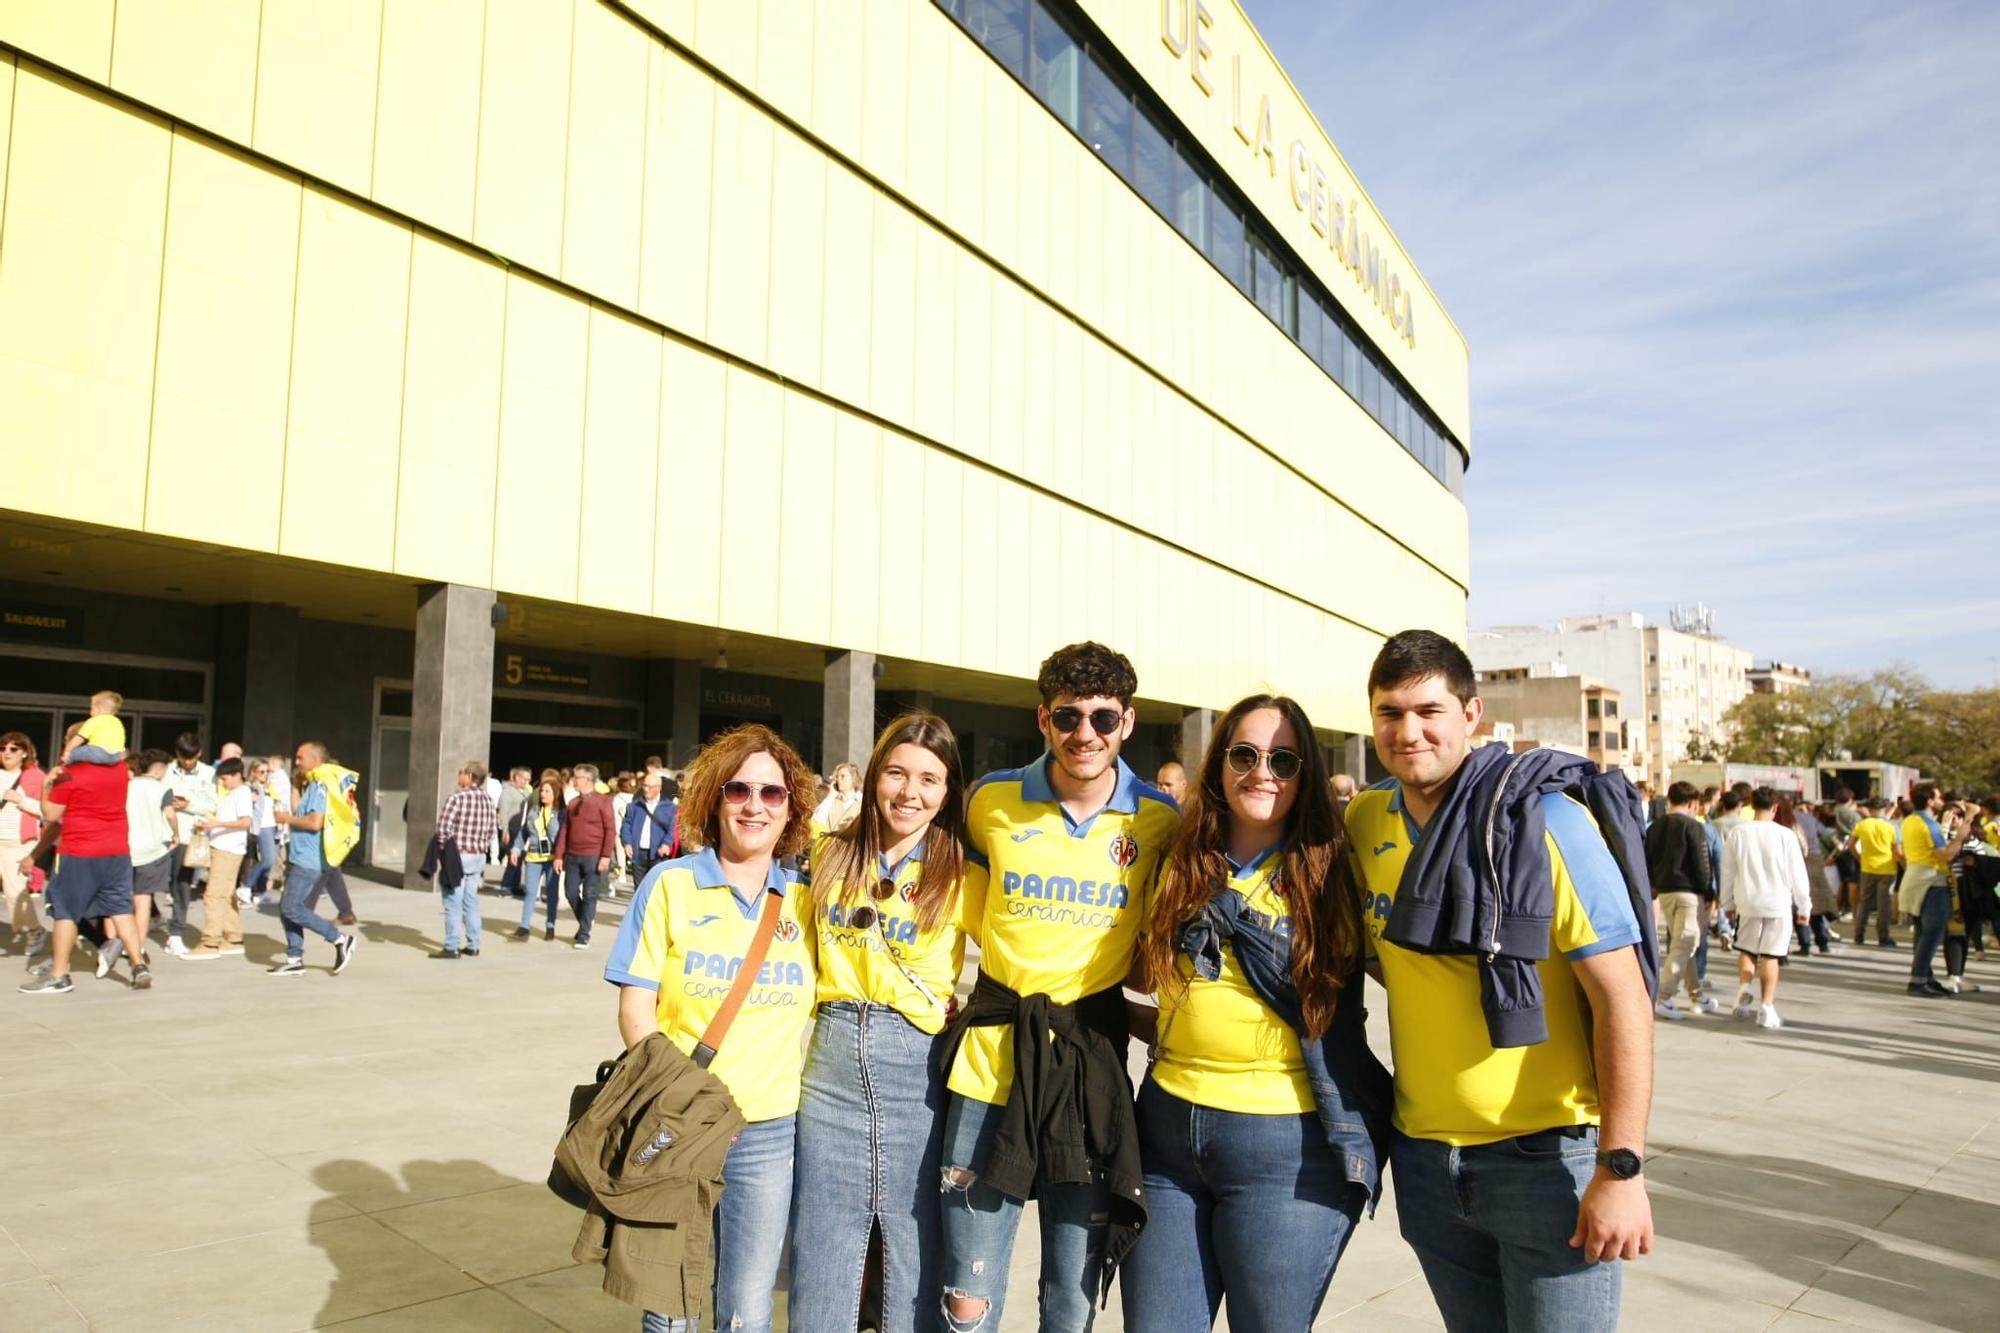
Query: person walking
{"points": [[1764, 891], [192, 783], [85, 804], [1925, 891], [893, 899], [533, 852], [1261, 1120], [228, 831], [467, 824], [1520, 1129], [1684, 891], [514, 798], [649, 827], [149, 827], [1072, 844], [21, 780], [692, 923], [584, 847], [306, 869]]}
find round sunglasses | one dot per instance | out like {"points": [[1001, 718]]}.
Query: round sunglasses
{"points": [[1103, 721], [1243, 757], [773, 797], [865, 916]]}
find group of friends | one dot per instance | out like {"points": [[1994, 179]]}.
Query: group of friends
{"points": [[894, 1134]]}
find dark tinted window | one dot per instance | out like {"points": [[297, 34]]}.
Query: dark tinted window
{"points": [[1153, 163], [1107, 118], [1268, 281], [1054, 60], [1190, 201], [1225, 240], [1310, 324], [1001, 27]]}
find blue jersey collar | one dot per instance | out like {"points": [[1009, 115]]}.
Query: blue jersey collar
{"points": [[707, 868], [1255, 863], [914, 856], [1035, 786]]}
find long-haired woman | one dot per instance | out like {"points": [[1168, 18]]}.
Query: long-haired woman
{"points": [[1255, 1121], [746, 805], [893, 898], [534, 852]]}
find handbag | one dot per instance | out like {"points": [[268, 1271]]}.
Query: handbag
{"points": [[197, 857]]}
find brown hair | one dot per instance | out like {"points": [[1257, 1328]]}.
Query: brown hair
{"points": [[1312, 870], [20, 738], [701, 789], [845, 863]]}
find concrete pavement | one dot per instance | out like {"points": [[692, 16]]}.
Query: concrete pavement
{"points": [[237, 1151]]}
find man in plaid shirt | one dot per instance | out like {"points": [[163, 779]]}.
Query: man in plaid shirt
{"points": [[468, 823]]}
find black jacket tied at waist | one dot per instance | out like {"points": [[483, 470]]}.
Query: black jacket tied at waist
{"points": [[1352, 1092], [1069, 1108]]}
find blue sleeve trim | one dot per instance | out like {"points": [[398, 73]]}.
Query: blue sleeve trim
{"points": [[1603, 946], [1600, 884], [618, 978]]}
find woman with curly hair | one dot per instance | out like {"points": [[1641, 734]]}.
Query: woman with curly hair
{"points": [[1258, 1121], [745, 807], [894, 897]]}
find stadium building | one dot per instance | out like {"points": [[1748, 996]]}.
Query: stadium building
{"points": [[554, 380]]}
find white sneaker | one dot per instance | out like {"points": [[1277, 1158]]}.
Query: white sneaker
{"points": [[243, 897], [107, 956], [1665, 1009], [177, 946], [1707, 1005], [1954, 984], [1746, 1005], [1767, 1017]]}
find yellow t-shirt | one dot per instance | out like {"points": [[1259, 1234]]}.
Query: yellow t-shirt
{"points": [[685, 936], [1875, 843], [1220, 1044], [1919, 847], [1452, 1085], [851, 963], [1064, 900]]}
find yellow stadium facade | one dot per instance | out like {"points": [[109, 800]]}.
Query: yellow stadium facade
{"points": [[527, 377]]}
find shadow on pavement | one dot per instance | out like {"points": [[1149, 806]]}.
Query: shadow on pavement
{"points": [[1919, 1255]]}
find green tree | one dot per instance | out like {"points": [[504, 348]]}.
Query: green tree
{"points": [[1891, 714]]}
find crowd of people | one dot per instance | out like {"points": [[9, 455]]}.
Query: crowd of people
{"points": [[793, 950]]}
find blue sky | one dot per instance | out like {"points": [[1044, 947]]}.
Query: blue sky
{"points": [[1731, 279]]}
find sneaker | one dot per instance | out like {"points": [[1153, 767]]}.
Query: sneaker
{"points": [[61, 985], [177, 946], [581, 942], [549, 934], [445, 954], [1953, 984], [38, 940], [107, 956], [230, 950], [1707, 1005], [1767, 1016], [1746, 1005], [243, 897], [521, 933], [343, 953], [1929, 990], [142, 977], [289, 967], [202, 953], [468, 953], [1665, 1009]]}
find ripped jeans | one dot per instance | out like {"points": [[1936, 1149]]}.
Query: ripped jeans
{"points": [[979, 1224]]}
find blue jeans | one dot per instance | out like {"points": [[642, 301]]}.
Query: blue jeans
{"points": [[1491, 1227], [462, 917], [538, 881], [979, 1224], [267, 859], [581, 881], [1253, 1205], [297, 914], [871, 1128], [1932, 920], [749, 1232]]}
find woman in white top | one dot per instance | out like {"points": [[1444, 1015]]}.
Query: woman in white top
{"points": [[837, 811]]}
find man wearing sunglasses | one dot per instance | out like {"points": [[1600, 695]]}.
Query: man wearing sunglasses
{"points": [[1517, 1153], [1072, 843]]}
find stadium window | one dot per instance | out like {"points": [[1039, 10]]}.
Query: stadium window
{"points": [[1225, 239], [1002, 28], [1311, 325], [1268, 280], [1153, 163], [1191, 202], [1053, 60], [1107, 118]]}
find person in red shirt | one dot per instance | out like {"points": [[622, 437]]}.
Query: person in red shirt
{"points": [[584, 847], [86, 804]]}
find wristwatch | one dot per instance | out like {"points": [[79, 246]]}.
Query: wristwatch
{"points": [[1622, 1162]]}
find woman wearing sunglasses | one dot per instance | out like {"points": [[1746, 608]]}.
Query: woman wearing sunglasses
{"points": [[893, 897], [745, 805], [1257, 1121]]}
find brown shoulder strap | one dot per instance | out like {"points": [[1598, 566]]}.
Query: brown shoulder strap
{"points": [[760, 944]]}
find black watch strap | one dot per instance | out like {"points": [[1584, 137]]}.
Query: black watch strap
{"points": [[1622, 1162]]}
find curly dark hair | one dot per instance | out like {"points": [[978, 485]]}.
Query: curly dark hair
{"points": [[1087, 671]]}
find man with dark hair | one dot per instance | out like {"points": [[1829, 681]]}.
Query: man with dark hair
{"points": [[1765, 891], [1520, 1131], [1925, 892], [1072, 843], [1683, 886], [1878, 854], [195, 797]]}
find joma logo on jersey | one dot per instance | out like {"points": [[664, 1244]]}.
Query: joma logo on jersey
{"points": [[1063, 889], [1124, 850], [722, 967]]}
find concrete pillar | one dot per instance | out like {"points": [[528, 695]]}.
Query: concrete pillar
{"points": [[1196, 723], [256, 678], [451, 715], [848, 718], [686, 712], [1354, 759]]}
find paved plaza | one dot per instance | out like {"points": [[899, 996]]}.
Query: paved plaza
{"points": [[236, 1151]]}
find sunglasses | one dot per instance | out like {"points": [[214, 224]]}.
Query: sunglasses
{"points": [[736, 793], [1243, 757], [865, 916], [12, 749], [1103, 721]]}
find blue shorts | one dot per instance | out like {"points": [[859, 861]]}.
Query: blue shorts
{"points": [[86, 887]]}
